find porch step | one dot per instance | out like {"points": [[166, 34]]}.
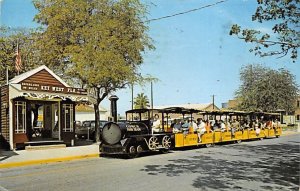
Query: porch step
{"points": [[42, 147]]}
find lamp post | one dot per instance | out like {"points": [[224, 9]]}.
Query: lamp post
{"points": [[151, 98]]}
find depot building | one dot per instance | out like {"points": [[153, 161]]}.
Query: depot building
{"points": [[38, 89]]}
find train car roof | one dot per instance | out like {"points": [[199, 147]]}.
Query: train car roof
{"points": [[141, 110], [226, 112], [179, 110]]}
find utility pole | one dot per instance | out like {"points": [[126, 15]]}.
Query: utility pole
{"points": [[213, 101]]}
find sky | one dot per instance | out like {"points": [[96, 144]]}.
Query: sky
{"points": [[195, 57]]}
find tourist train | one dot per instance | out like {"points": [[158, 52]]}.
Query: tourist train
{"points": [[148, 130]]}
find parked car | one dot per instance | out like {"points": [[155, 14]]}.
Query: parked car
{"points": [[87, 129]]}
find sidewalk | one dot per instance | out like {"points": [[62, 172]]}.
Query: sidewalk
{"points": [[10, 159]]}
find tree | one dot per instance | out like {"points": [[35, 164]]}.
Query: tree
{"points": [[285, 14], [265, 89], [141, 101], [8, 43], [97, 42]]}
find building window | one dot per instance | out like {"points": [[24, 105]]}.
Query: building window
{"points": [[298, 117], [298, 103], [68, 117], [20, 117]]}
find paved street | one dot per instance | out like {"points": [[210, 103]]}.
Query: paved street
{"points": [[271, 164]]}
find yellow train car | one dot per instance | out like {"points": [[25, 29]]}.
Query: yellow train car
{"points": [[185, 140], [226, 136], [238, 136], [189, 138], [217, 136], [207, 138]]}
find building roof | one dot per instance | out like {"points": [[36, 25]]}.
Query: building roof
{"points": [[25, 75], [88, 108], [198, 106]]}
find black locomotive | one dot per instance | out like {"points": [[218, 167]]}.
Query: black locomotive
{"points": [[134, 136]]}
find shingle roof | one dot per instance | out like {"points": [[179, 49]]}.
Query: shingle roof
{"points": [[25, 75], [88, 108]]}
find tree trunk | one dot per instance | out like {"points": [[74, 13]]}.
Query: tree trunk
{"points": [[97, 122], [100, 97]]}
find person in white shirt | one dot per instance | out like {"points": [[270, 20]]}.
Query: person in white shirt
{"points": [[257, 127], [222, 126], [194, 125], [156, 124], [201, 128]]}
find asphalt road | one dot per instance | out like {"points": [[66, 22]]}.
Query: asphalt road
{"points": [[271, 164]]}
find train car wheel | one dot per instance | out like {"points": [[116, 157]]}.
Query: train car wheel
{"points": [[209, 145], [277, 136], [261, 138], [239, 141], [153, 143], [166, 142]]}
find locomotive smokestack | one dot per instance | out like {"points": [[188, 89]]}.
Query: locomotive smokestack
{"points": [[113, 107]]}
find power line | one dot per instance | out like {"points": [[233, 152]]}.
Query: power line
{"points": [[185, 12]]}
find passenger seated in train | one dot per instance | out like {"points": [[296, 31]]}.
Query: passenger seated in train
{"points": [[257, 127], [234, 127], [185, 125], [207, 125], [177, 126], [244, 125], [228, 124], [216, 125], [201, 128], [156, 124], [276, 123], [222, 126], [193, 126], [269, 124]]}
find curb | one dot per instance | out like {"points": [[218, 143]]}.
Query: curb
{"points": [[45, 161]]}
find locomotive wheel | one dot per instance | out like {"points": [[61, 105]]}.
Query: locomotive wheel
{"points": [[153, 143], [166, 142], [164, 151], [139, 149], [132, 152]]}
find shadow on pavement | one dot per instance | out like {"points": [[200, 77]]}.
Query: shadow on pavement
{"points": [[84, 142], [260, 167], [6, 154]]}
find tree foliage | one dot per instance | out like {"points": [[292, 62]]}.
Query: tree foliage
{"points": [[265, 89], [8, 45], [97, 42], [141, 101], [285, 39]]}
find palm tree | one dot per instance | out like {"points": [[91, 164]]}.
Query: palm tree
{"points": [[141, 101]]}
